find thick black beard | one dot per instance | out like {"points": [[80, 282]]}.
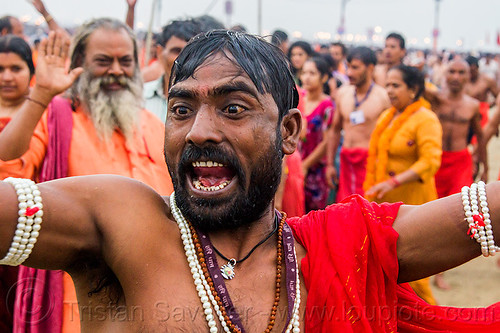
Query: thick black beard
{"points": [[248, 205]]}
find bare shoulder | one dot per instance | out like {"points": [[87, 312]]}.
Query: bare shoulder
{"points": [[345, 90], [380, 91], [471, 102], [107, 196]]}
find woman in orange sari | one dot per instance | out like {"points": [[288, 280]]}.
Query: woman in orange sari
{"points": [[405, 150]]}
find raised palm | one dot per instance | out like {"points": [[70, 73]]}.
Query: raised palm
{"points": [[51, 73]]}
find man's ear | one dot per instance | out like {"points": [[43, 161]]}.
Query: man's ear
{"points": [[291, 126]]}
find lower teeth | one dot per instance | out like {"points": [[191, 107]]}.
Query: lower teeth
{"points": [[197, 185]]}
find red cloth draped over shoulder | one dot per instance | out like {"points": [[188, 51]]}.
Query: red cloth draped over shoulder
{"points": [[40, 309], [351, 269]]}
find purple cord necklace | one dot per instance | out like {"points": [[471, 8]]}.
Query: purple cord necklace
{"points": [[220, 286]]}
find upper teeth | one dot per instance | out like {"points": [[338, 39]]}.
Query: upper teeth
{"points": [[209, 164]]}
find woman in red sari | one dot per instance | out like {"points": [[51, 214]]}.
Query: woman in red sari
{"points": [[317, 107]]}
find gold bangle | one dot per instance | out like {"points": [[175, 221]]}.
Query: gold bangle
{"points": [[48, 18], [36, 102]]}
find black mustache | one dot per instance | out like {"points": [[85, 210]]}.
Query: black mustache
{"points": [[214, 153]]}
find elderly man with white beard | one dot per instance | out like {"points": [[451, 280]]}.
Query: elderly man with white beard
{"points": [[97, 126]]}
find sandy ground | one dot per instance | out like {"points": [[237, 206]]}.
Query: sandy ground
{"points": [[476, 283]]}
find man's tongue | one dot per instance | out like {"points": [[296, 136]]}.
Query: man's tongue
{"points": [[213, 176]]}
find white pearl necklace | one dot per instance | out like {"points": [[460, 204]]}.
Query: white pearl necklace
{"points": [[29, 221], [201, 283]]}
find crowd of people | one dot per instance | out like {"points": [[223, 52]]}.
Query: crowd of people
{"points": [[391, 125]]}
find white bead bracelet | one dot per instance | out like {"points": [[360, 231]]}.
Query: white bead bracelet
{"points": [[483, 203], [29, 221], [479, 221]]}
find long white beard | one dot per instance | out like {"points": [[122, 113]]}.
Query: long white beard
{"points": [[111, 110]]}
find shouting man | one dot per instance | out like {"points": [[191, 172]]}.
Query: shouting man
{"points": [[142, 262]]}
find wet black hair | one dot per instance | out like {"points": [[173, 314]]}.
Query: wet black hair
{"points": [[182, 29], [365, 54], [413, 78], [399, 37], [264, 63], [17, 45]]}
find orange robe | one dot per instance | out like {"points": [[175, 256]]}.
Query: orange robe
{"points": [[417, 145], [141, 158], [15, 168]]}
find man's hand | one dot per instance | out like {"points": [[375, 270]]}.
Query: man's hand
{"points": [[52, 77], [331, 176], [131, 3]]}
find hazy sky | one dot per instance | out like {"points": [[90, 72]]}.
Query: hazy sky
{"points": [[473, 22]]}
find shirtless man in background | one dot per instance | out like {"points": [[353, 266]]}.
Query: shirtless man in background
{"points": [[480, 86], [394, 52], [358, 107], [458, 114]]}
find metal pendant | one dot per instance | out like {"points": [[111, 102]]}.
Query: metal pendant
{"points": [[227, 270]]}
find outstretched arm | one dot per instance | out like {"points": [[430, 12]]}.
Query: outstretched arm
{"points": [[433, 237], [51, 22], [67, 228], [51, 79], [83, 217], [129, 20]]}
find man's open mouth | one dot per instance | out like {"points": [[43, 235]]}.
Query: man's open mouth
{"points": [[211, 176]]}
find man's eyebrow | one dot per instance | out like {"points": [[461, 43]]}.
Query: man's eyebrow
{"points": [[237, 86], [175, 92], [225, 89]]}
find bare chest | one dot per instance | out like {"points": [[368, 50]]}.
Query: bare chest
{"points": [[455, 114], [159, 298]]}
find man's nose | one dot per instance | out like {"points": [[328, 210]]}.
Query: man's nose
{"points": [[206, 127], [116, 68]]}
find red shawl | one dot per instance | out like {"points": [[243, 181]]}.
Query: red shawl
{"points": [[351, 270], [39, 293]]}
